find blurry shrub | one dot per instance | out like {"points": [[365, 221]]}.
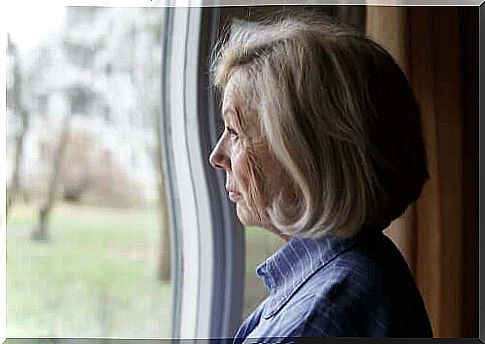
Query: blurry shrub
{"points": [[110, 185], [89, 174]]}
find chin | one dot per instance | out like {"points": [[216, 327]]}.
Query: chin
{"points": [[243, 216], [249, 219], [246, 217]]}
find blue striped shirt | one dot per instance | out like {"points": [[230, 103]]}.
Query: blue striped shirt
{"points": [[331, 287]]}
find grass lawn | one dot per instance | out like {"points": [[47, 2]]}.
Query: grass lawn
{"points": [[97, 276]]}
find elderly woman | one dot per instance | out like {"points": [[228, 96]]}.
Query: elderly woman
{"points": [[322, 146]]}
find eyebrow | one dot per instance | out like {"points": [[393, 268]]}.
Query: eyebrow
{"points": [[236, 112]]}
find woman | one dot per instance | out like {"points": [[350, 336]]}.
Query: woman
{"points": [[322, 146]]}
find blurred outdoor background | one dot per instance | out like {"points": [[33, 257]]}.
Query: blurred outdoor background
{"points": [[84, 228], [87, 232]]}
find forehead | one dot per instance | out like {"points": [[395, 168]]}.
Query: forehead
{"points": [[230, 103], [238, 102]]}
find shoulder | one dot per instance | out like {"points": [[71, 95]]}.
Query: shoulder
{"points": [[366, 291], [251, 321], [351, 301], [361, 271]]}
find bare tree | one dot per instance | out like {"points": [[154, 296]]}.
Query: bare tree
{"points": [[19, 110], [41, 233], [164, 265]]}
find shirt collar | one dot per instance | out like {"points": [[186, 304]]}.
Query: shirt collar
{"points": [[286, 270]]}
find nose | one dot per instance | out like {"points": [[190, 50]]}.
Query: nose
{"points": [[219, 157]]}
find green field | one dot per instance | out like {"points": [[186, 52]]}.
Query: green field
{"points": [[97, 275]]}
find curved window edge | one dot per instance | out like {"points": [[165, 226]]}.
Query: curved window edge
{"points": [[207, 239]]}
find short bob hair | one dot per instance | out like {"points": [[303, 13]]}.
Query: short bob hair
{"points": [[337, 113]]}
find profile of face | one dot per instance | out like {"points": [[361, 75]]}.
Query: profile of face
{"points": [[252, 175]]}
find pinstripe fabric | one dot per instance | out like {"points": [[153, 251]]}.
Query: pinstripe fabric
{"points": [[331, 287]]}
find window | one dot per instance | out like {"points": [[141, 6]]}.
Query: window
{"points": [[86, 253], [208, 298]]}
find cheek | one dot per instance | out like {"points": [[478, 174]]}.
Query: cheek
{"points": [[249, 174], [241, 170]]}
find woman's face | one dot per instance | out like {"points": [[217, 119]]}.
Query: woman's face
{"points": [[241, 157]]}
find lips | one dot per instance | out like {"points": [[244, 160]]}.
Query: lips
{"points": [[234, 195]]}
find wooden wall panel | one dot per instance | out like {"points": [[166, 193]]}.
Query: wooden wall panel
{"points": [[436, 77], [469, 50], [427, 43]]}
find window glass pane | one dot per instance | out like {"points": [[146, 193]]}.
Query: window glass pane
{"points": [[87, 241], [260, 244]]}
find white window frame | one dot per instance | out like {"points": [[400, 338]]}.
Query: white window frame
{"points": [[207, 239]]}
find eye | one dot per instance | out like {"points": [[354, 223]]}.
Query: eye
{"points": [[232, 132]]}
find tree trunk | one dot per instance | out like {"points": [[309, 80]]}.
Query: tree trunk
{"points": [[164, 272], [164, 264], [41, 233], [19, 110], [14, 187]]}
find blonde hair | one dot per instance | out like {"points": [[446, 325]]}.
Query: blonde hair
{"points": [[337, 113]]}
